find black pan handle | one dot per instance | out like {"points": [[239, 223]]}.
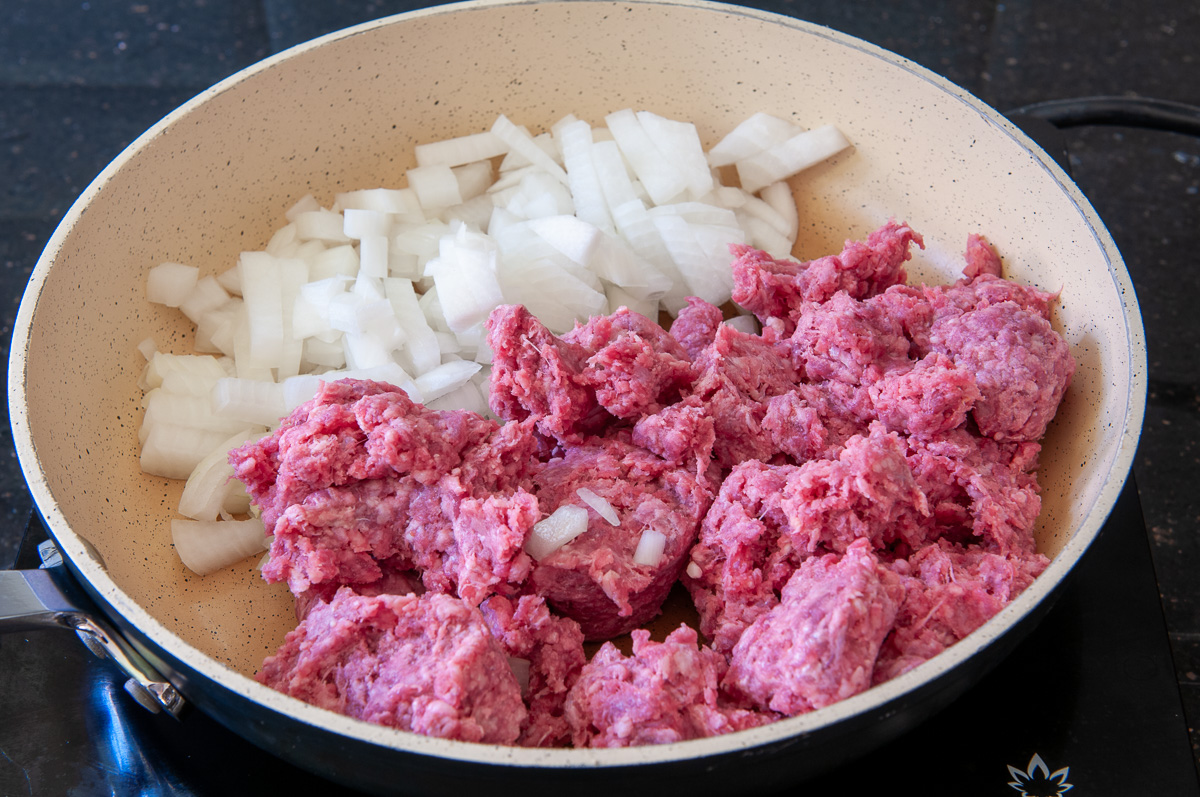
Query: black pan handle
{"points": [[50, 598]]}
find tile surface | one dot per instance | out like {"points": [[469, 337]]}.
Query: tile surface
{"points": [[80, 80]]}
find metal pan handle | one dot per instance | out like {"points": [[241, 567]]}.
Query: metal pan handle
{"points": [[49, 598]]}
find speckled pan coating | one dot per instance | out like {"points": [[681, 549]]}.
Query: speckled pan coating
{"points": [[344, 112]]}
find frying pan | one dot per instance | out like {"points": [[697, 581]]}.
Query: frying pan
{"points": [[344, 112]]}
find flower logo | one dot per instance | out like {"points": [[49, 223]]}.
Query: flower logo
{"points": [[1038, 781]]}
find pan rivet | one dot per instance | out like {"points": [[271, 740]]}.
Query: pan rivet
{"points": [[142, 696]]}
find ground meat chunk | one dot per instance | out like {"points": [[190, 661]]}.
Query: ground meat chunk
{"points": [[352, 431], [684, 434], [593, 579], [696, 325], [767, 520], [981, 492], [635, 366], [666, 692], [1021, 366], [819, 645], [536, 374], [981, 258], [737, 373], [553, 648], [426, 664], [814, 421], [931, 398], [849, 341], [949, 592], [772, 288], [362, 475]]}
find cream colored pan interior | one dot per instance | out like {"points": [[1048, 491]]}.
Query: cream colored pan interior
{"points": [[215, 177]]}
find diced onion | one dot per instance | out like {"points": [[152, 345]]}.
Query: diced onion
{"points": [[549, 534], [693, 570], [208, 546], [602, 507], [650, 548]]}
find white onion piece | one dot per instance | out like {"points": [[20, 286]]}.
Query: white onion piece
{"points": [[207, 295], [598, 503], [398, 202], [305, 204], [446, 378], [436, 186], [320, 225], [575, 138], [173, 450], [460, 150], [650, 548], [147, 348], [781, 161], [779, 196], [422, 343], [663, 182], [757, 133], [465, 275], [358, 223], [521, 142], [204, 495], [249, 400], [549, 534], [745, 323], [263, 297], [680, 143], [170, 283], [208, 546], [693, 570]]}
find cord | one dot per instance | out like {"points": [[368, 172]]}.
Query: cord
{"points": [[1175, 117]]}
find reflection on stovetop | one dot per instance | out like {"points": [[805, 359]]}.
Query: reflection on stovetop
{"points": [[1091, 690]]}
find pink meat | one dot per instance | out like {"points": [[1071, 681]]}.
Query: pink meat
{"points": [[737, 373], [981, 258], [767, 520], [980, 492], [696, 325], [593, 579], [426, 664], [1021, 366], [849, 341], [815, 420], [772, 288], [931, 398], [819, 645], [665, 692], [361, 480], [538, 375], [553, 648], [950, 592]]}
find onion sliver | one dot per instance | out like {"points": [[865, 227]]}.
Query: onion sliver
{"points": [[650, 548], [208, 546], [204, 495], [602, 507], [552, 533]]}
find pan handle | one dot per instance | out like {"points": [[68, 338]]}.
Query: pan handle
{"points": [[49, 598]]}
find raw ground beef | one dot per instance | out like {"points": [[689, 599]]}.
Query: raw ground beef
{"points": [[426, 663], [594, 580], [665, 692], [844, 496]]}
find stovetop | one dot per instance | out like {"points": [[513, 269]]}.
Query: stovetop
{"points": [[1087, 700]]}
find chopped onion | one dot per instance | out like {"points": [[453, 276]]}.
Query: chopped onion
{"points": [[650, 548], [170, 283], [693, 570], [602, 507], [204, 495], [206, 546], [565, 524]]}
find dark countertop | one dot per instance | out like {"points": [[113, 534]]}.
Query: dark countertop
{"points": [[80, 80]]}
